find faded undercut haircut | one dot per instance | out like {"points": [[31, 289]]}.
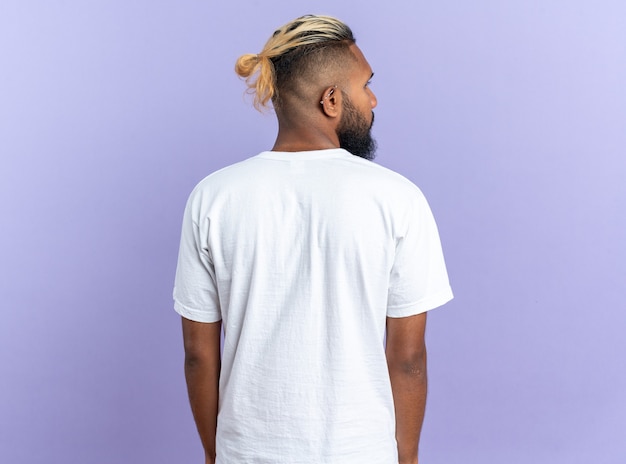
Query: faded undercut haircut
{"points": [[294, 55]]}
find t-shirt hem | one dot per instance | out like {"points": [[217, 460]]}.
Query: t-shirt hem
{"points": [[195, 315], [439, 299]]}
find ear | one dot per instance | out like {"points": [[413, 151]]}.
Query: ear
{"points": [[330, 102]]}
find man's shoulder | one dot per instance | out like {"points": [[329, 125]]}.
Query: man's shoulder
{"points": [[383, 177], [393, 176], [226, 175]]}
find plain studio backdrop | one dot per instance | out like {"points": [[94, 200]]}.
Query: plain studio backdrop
{"points": [[510, 115]]}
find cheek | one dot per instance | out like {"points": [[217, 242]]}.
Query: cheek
{"points": [[365, 104]]}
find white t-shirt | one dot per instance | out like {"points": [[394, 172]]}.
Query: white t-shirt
{"points": [[303, 256]]}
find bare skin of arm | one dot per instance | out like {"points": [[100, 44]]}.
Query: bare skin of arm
{"points": [[202, 371], [406, 359]]}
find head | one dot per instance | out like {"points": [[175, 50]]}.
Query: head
{"points": [[315, 77]]}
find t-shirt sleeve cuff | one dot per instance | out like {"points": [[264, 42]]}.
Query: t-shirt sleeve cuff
{"points": [[196, 315], [421, 306]]}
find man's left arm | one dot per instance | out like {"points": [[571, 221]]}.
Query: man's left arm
{"points": [[406, 360], [202, 372]]}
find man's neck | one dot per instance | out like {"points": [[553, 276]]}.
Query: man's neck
{"points": [[304, 140]]}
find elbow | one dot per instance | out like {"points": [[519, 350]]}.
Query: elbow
{"points": [[415, 369], [193, 351], [412, 365], [201, 364], [201, 343], [192, 360], [197, 357]]}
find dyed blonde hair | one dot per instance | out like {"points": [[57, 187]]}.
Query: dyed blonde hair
{"points": [[282, 57]]}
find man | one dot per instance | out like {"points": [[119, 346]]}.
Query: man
{"points": [[308, 255]]}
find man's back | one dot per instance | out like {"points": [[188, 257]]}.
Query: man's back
{"points": [[303, 256]]}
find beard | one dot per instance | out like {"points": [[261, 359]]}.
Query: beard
{"points": [[355, 133]]}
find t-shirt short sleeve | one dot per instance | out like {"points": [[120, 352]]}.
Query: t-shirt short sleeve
{"points": [[418, 279], [195, 290]]}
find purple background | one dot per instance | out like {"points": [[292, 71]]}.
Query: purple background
{"points": [[511, 116]]}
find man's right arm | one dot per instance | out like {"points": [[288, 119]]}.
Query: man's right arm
{"points": [[406, 360], [202, 371]]}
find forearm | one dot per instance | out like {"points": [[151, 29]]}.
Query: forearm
{"points": [[409, 386], [202, 377]]}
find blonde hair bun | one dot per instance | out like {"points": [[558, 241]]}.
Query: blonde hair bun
{"points": [[258, 69]]}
